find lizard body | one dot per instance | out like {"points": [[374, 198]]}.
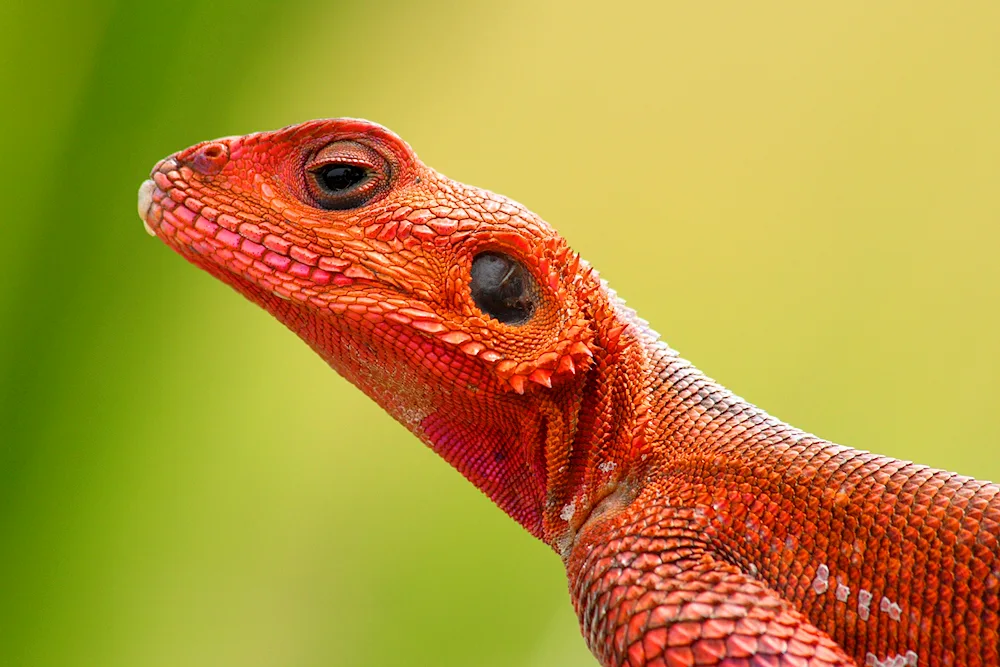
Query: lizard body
{"points": [[695, 528]]}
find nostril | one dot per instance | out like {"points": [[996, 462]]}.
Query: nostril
{"points": [[207, 159]]}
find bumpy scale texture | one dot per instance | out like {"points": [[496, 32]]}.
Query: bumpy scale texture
{"points": [[695, 528]]}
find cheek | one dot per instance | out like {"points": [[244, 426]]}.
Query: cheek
{"points": [[410, 375], [408, 362]]}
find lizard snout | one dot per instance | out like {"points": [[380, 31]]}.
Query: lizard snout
{"points": [[146, 191], [151, 193]]}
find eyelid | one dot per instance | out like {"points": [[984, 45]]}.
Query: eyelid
{"points": [[313, 165], [375, 184], [348, 152]]}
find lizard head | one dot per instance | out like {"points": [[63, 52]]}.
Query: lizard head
{"points": [[459, 311]]}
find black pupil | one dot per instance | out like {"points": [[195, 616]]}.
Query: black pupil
{"points": [[337, 178], [502, 288]]}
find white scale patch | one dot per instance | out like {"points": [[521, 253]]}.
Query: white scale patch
{"points": [[889, 607], [607, 466], [822, 581], [908, 659], [864, 604], [821, 584], [568, 511]]}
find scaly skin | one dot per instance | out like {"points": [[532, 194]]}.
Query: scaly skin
{"points": [[695, 528]]}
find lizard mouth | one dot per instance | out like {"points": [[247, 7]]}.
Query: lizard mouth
{"points": [[146, 191]]}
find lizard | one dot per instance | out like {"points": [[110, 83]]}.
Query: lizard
{"points": [[695, 529]]}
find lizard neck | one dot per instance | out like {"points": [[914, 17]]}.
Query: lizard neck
{"points": [[599, 452], [643, 411]]}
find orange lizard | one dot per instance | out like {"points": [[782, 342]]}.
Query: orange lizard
{"points": [[695, 528]]}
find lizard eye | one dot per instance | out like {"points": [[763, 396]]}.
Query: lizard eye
{"points": [[338, 178], [502, 288], [346, 174]]}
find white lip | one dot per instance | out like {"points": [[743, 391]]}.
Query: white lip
{"points": [[145, 201]]}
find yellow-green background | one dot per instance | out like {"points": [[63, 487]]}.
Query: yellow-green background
{"points": [[803, 197]]}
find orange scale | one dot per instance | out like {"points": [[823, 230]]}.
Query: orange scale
{"points": [[472, 348], [423, 232], [490, 356], [388, 231], [300, 254], [401, 212], [506, 366], [359, 272], [418, 314], [240, 258], [340, 280], [320, 277], [455, 337], [333, 264], [428, 326], [443, 226], [420, 216], [566, 366], [542, 377]]}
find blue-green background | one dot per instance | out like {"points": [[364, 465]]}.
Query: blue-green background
{"points": [[804, 198]]}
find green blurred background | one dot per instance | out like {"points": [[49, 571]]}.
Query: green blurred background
{"points": [[802, 197]]}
